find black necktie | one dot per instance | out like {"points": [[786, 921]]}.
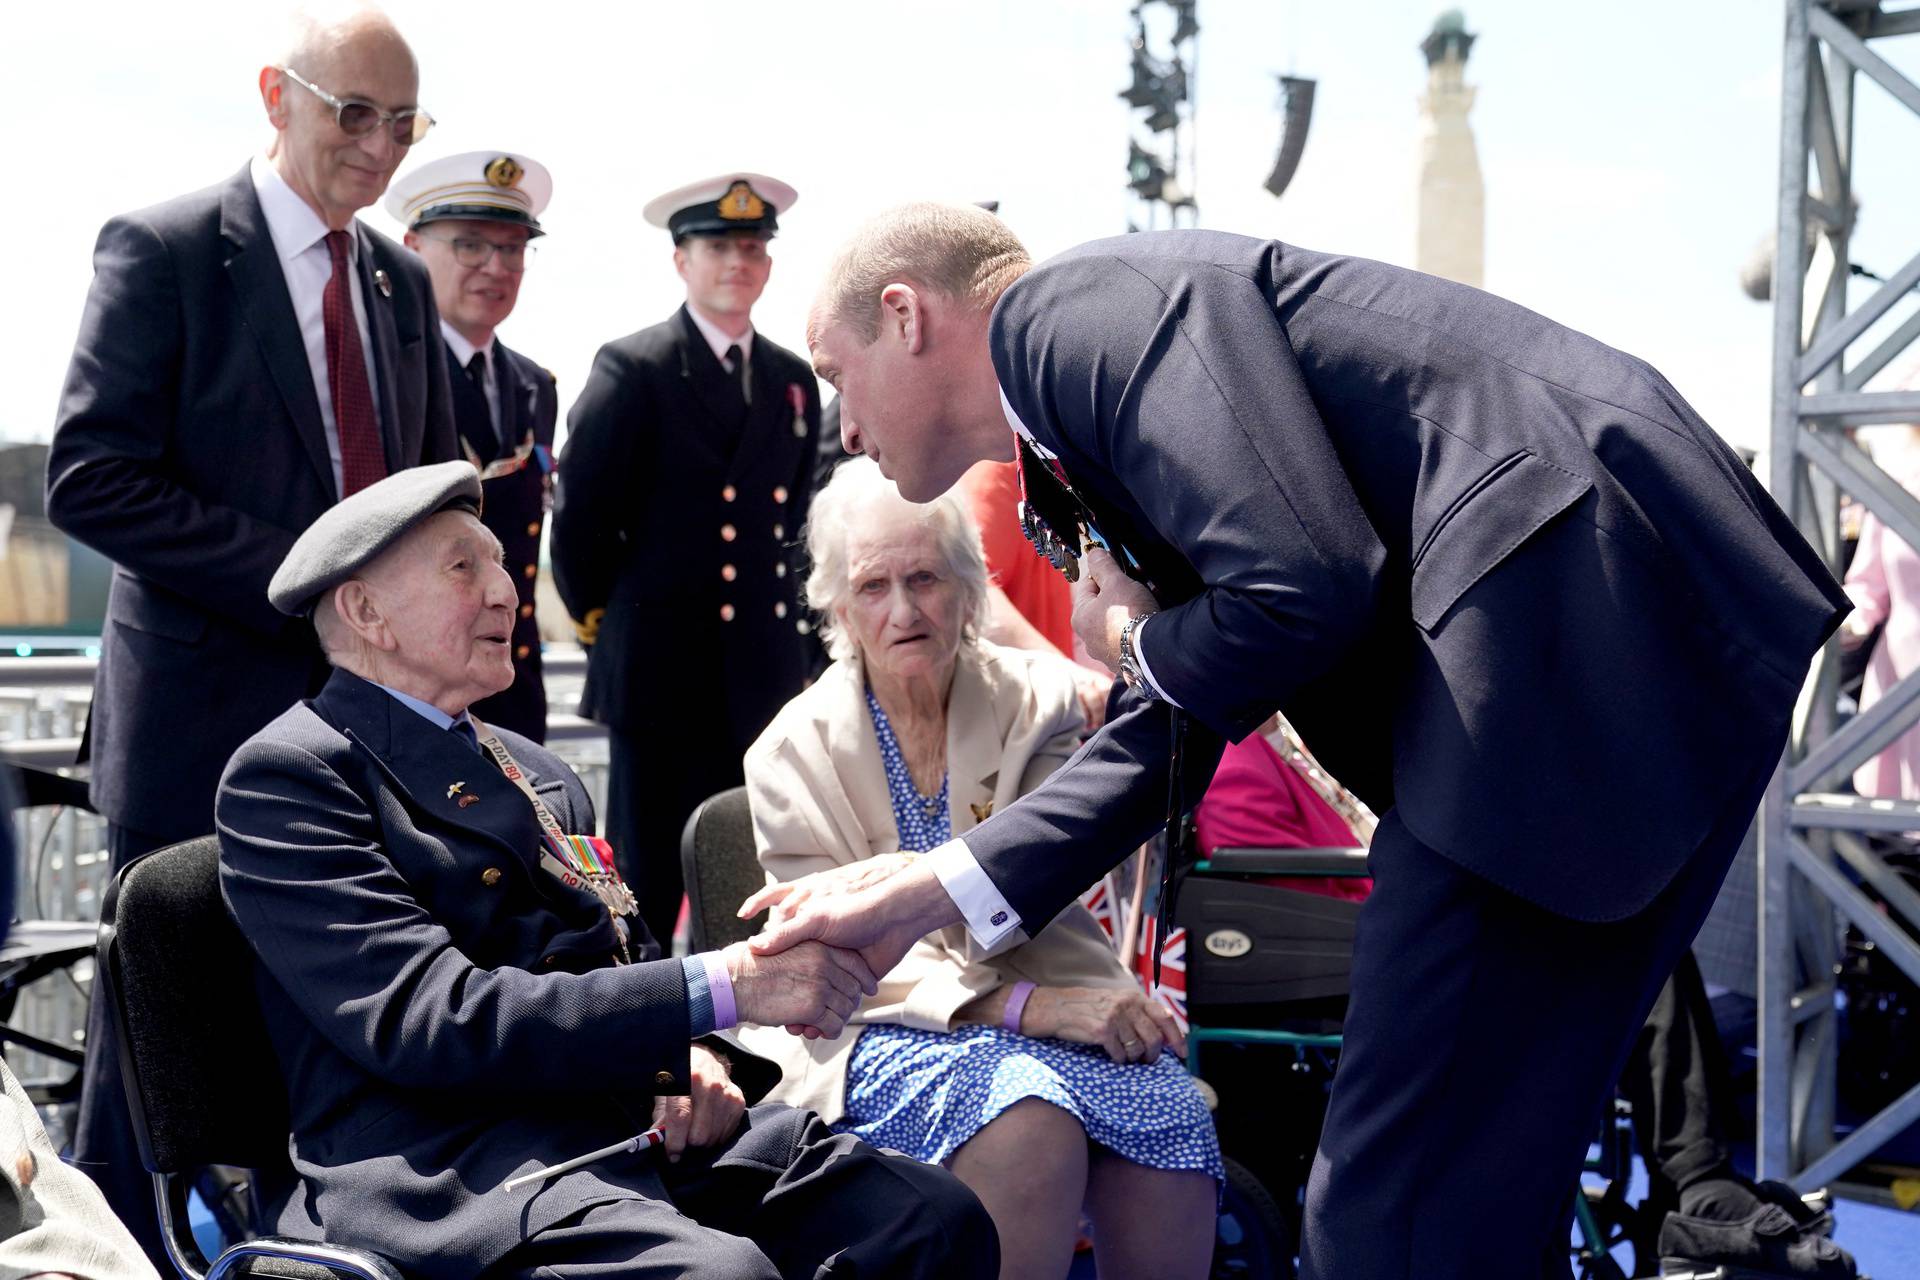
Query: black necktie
{"points": [[737, 366], [477, 369], [463, 729]]}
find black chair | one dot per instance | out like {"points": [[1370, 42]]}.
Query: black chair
{"points": [[717, 863], [202, 1080]]}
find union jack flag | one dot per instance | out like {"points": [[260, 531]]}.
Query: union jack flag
{"points": [[1099, 901], [1172, 990]]}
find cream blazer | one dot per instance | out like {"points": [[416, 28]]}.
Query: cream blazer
{"points": [[819, 796]]}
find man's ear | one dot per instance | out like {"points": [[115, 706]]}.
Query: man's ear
{"points": [[902, 316], [412, 240], [356, 606], [273, 96], [680, 260]]}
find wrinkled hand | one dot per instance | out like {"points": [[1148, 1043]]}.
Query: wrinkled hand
{"points": [[1103, 600], [878, 907], [1128, 1025], [806, 985], [710, 1112]]}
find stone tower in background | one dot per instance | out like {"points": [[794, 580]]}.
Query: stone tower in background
{"points": [[1452, 220]]}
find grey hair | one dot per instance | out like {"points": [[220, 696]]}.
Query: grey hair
{"points": [[855, 489], [961, 251]]}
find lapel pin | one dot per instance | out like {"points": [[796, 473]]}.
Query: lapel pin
{"points": [[467, 800], [455, 789], [981, 812], [384, 283]]}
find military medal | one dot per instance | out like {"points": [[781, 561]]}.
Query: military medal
{"points": [[798, 399]]}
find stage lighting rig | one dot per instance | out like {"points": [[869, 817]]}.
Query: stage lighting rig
{"points": [[1161, 175]]}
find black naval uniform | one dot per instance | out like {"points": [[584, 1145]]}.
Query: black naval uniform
{"points": [[676, 506], [516, 462]]}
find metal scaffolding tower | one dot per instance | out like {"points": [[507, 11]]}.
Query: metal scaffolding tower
{"points": [[1817, 871]]}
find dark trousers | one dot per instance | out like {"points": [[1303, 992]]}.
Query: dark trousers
{"points": [[788, 1199], [103, 1143], [1482, 1044], [1679, 1085], [653, 787]]}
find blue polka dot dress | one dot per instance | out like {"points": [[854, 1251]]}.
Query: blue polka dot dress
{"points": [[927, 1092]]}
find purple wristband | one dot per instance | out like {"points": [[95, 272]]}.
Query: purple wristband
{"points": [[720, 988], [1016, 1005]]}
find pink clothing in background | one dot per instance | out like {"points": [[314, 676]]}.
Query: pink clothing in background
{"points": [[1884, 584], [1257, 801]]}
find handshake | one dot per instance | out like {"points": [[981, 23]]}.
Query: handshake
{"points": [[829, 939]]}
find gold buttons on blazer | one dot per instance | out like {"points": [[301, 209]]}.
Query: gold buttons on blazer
{"points": [[779, 493], [728, 533], [727, 493], [664, 1079], [726, 613], [780, 570], [780, 608], [533, 528], [491, 877], [779, 531], [728, 573], [530, 570], [522, 651], [526, 611]]}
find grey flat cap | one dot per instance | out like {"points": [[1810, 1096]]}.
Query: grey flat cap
{"points": [[348, 535]]}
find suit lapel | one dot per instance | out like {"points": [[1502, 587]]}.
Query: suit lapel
{"points": [[768, 413], [710, 384], [254, 267], [516, 397], [386, 345]]}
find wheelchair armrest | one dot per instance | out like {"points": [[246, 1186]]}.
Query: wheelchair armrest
{"points": [[339, 1261], [1287, 862]]}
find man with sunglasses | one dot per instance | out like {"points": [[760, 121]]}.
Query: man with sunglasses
{"points": [[248, 355], [472, 218]]}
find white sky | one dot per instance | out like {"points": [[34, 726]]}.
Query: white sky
{"points": [[1629, 150]]}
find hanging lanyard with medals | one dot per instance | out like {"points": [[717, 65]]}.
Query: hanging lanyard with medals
{"points": [[579, 862]]}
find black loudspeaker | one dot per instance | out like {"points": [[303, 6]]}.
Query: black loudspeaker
{"points": [[1296, 113], [1259, 946]]}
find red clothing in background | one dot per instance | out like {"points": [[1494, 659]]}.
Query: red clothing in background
{"points": [[991, 491], [1257, 801]]}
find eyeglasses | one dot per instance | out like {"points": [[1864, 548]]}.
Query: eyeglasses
{"points": [[358, 119], [470, 252]]}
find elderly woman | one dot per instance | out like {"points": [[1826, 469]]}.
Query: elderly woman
{"points": [[1035, 1072]]}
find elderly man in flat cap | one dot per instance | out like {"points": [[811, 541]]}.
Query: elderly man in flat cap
{"points": [[461, 994], [683, 485]]}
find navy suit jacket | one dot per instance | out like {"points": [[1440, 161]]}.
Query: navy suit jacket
{"points": [[1498, 574], [675, 511], [190, 451], [446, 1013], [514, 507]]}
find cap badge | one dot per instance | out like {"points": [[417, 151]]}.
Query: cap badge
{"points": [[504, 171], [740, 204]]}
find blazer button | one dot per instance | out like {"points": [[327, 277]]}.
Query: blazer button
{"points": [[728, 533], [530, 570], [533, 528], [779, 531], [491, 877], [664, 1079], [780, 608], [726, 493], [526, 611], [726, 613], [728, 573], [780, 570], [779, 493], [803, 626], [522, 651]]}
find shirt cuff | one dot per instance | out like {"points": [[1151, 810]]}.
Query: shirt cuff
{"points": [[988, 917], [699, 997], [1140, 658]]}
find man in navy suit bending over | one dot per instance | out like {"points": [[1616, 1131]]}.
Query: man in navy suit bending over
{"points": [[1506, 583]]}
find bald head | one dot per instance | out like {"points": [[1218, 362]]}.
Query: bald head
{"points": [[352, 53], [961, 252]]}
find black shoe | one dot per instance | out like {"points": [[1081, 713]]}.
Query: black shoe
{"points": [[1814, 1217], [1768, 1245]]}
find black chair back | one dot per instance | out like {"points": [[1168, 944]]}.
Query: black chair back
{"points": [[717, 862], [201, 1076]]}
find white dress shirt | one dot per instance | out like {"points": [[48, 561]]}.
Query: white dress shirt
{"points": [[720, 340], [299, 237], [464, 351]]}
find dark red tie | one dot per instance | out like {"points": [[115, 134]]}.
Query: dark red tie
{"points": [[362, 459]]}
